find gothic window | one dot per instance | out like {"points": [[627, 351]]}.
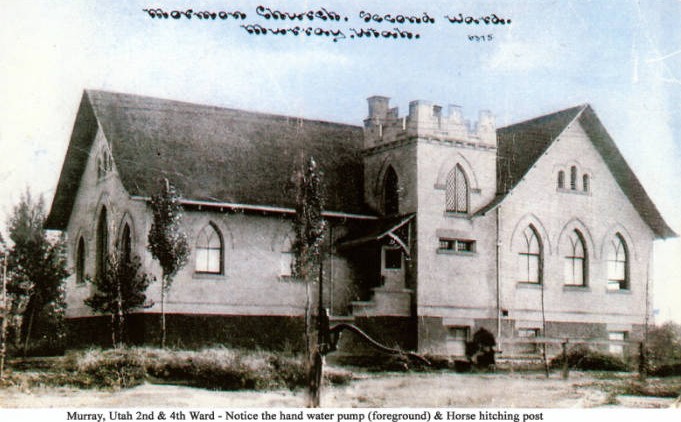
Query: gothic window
{"points": [[456, 194], [576, 260], [104, 163], [209, 250], [561, 179], [80, 261], [126, 244], [573, 178], [530, 257], [391, 193], [618, 265], [102, 244], [585, 183]]}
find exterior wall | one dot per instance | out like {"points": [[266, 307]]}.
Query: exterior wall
{"points": [[598, 214], [252, 281], [401, 155], [93, 194]]}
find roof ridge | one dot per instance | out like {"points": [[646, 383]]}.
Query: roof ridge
{"points": [[164, 103]]}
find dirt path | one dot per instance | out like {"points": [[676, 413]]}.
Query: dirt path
{"points": [[386, 390]]}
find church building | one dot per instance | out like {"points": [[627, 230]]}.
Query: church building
{"points": [[436, 227]]}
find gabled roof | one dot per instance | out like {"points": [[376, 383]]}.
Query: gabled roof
{"points": [[520, 146], [210, 153]]}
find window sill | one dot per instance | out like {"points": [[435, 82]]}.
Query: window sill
{"points": [[528, 285], [576, 288], [207, 276], [618, 292], [575, 191], [451, 252], [453, 214]]}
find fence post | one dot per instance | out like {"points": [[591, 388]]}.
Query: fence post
{"points": [[642, 364], [566, 367]]}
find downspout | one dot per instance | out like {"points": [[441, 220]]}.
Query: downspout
{"points": [[498, 268]]}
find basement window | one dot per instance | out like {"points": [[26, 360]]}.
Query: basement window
{"points": [[457, 245]]}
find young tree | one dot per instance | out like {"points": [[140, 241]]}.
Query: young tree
{"points": [[167, 243], [119, 291], [309, 227], [38, 269]]}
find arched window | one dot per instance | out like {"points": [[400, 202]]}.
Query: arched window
{"points": [[102, 244], [530, 257], [561, 179], [576, 260], [618, 265], [456, 194], [573, 178], [126, 244], [80, 261], [391, 193], [209, 250], [585, 183]]}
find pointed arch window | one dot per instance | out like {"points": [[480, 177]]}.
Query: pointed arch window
{"points": [[561, 179], [209, 247], [80, 261], [530, 257], [102, 244], [576, 262], [618, 264], [456, 194], [126, 244], [391, 193]]}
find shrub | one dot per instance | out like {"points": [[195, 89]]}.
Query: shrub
{"points": [[581, 357], [664, 349], [118, 368]]}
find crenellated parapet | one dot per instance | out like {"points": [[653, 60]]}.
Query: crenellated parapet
{"points": [[426, 121]]}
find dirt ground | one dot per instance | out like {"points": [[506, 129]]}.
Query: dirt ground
{"points": [[372, 390]]}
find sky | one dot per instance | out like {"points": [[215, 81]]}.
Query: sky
{"points": [[623, 57]]}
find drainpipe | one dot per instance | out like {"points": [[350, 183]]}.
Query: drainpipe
{"points": [[498, 268]]}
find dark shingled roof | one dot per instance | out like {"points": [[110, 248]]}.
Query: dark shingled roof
{"points": [[211, 153], [520, 146]]}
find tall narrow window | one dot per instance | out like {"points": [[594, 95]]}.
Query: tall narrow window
{"points": [[80, 261], [102, 244], [618, 266], [126, 244], [209, 251], [391, 192], [456, 194], [573, 178], [530, 257], [561, 179], [585, 183], [575, 260]]}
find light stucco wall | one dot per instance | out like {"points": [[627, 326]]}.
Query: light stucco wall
{"points": [[598, 214], [252, 281]]}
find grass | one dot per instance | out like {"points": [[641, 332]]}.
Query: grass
{"points": [[215, 368]]}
